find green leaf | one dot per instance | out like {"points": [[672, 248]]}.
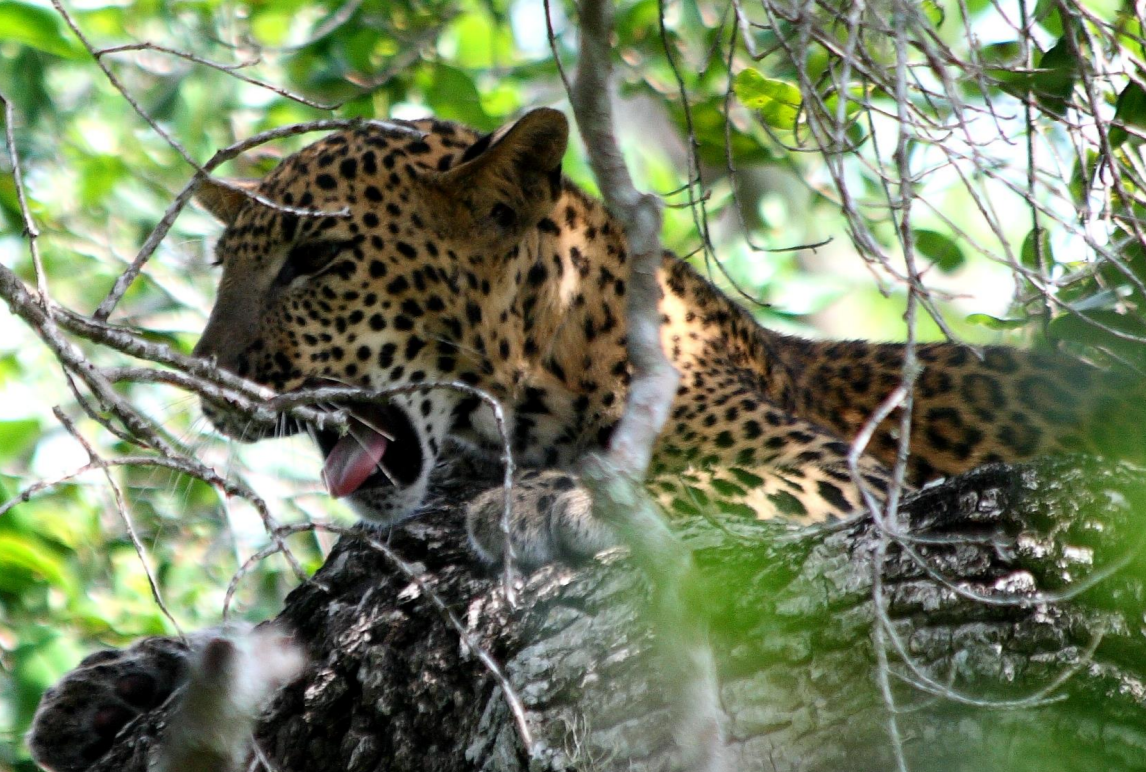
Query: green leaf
{"points": [[1054, 83], [1085, 329], [934, 12], [1046, 14], [1130, 110], [1001, 59], [1130, 36], [1027, 254], [777, 101], [38, 28], [99, 175], [272, 25], [857, 97], [106, 22], [995, 323], [1005, 54], [359, 48], [480, 41], [23, 560], [942, 250], [451, 94], [362, 107], [1083, 173], [17, 437]]}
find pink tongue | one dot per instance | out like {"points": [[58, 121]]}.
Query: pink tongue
{"points": [[352, 460]]}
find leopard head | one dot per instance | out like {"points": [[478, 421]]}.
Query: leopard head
{"points": [[391, 257]]}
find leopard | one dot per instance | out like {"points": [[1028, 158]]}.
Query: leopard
{"points": [[470, 258], [397, 256]]}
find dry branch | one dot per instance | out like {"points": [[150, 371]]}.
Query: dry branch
{"points": [[615, 478]]}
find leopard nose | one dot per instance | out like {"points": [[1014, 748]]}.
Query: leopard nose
{"points": [[231, 329], [213, 345]]}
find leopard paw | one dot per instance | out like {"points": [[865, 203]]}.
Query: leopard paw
{"points": [[79, 718], [222, 679], [232, 675], [551, 520]]}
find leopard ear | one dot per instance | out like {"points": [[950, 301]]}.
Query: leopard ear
{"points": [[224, 199], [513, 176]]}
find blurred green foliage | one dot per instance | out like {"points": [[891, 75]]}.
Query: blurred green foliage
{"points": [[100, 178]]}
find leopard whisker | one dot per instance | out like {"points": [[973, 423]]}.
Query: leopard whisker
{"points": [[375, 428], [357, 436], [386, 472], [457, 345], [332, 408]]}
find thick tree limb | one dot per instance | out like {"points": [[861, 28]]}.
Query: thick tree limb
{"points": [[998, 678]]}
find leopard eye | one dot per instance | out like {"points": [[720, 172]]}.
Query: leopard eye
{"points": [[309, 258], [505, 217]]}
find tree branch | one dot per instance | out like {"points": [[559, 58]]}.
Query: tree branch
{"points": [[1020, 685], [614, 478]]}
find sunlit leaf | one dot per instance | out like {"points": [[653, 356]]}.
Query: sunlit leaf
{"points": [[1046, 13], [272, 26], [451, 94], [1132, 35], [17, 437], [933, 11], [37, 27], [996, 323], [777, 101], [480, 42], [23, 559], [99, 176]]}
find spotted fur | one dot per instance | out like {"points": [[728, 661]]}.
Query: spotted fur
{"points": [[469, 258]]}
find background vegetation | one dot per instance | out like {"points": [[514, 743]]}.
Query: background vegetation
{"points": [[820, 159]]}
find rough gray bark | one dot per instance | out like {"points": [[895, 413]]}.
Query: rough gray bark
{"points": [[391, 688]]}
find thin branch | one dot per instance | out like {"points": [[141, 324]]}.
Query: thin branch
{"points": [[125, 280], [230, 69], [30, 229], [124, 515], [654, 378]]}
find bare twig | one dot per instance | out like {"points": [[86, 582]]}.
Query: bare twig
{"points": [[231, 69], [125, 280], [30, 229], [121, 507]]}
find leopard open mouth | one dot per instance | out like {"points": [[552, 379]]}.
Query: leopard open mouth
{"points": [[380, 449]]}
